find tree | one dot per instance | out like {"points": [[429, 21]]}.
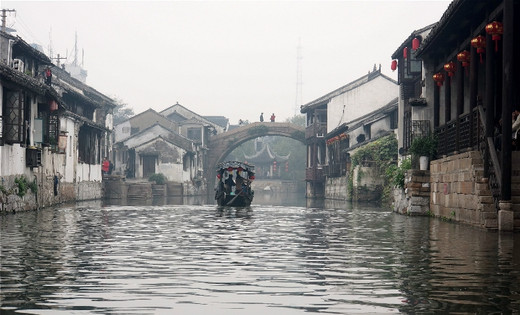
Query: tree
{"points": [[121, 112]]}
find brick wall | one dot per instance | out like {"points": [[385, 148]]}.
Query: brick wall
{"points": [[459, 192]]}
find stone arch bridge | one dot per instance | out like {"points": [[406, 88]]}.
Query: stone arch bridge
{"points": [[219, 146]]}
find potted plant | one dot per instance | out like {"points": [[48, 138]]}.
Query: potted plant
{"points": [[424, 147]]}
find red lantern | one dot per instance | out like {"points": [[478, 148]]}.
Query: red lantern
{"points": [[53, 105], [479, 43], [230, 169], [439, 78], [464, 58], [240, 169], [405, 52], [495, 29], [393, 66], [415, 43], [450, 68], [219, 176], [252, 177]]}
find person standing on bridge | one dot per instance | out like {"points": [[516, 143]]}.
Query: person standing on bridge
{"points": [[262, 117], [273, 117]]}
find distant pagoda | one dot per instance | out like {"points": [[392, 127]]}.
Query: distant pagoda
{"points": [[268, 164]]}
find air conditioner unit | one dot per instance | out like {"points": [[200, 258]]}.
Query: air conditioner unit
{"points": [[18, 65]]}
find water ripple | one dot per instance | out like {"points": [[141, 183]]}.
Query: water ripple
{"points": [[281, 260]]}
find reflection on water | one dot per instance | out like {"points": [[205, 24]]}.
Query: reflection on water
{"points": [[278, 259]]}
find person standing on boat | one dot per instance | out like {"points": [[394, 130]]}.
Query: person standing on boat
{"points": [[229, 183], [239, 183]]}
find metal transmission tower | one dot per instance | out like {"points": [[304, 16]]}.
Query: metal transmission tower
{"points": [[299, 81]]}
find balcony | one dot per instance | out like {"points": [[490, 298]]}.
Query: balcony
{"points": [[315, 130]]}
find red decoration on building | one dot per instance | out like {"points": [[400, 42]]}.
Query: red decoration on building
{"points": [[439, 78], [415, 43], [230, 169], [495, 29], [53, 105], [479, 43], [450, 68], [405, 52], [393, 66], [464, 58], [219, 176], [252, 177]]}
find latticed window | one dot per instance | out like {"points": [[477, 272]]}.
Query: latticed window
{"points": [[13, 131]]}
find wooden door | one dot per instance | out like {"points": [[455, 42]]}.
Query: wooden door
{"points": [[149, 165]]}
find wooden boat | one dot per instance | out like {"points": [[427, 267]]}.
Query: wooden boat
{"points": [[234, 184]]}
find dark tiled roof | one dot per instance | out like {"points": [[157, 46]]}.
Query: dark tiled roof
{"points": [[218, 120], [352, 85], [414, 34], [456, 25]]}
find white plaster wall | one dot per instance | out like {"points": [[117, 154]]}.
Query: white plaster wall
{"points": [[174, 172], [360, 101], [119, 135], [70, 156], [380, 126], [88, 172], [147, 136], [12, 159]]}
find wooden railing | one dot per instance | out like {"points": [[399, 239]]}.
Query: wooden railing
{"points": [[315, 129], [468, 133]]}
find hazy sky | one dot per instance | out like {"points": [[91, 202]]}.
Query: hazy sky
{"points": [[230, 58]]}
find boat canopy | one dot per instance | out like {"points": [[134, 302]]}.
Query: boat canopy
{"points": [[236, 166]]}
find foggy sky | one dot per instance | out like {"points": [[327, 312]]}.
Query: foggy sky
{"points": [[231, 58]]}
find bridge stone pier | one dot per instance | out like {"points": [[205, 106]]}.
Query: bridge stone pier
{"points": [[221, 145]]}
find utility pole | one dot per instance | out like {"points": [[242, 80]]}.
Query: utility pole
{"points": [[58, 59], [299, 83], [4, 17]]}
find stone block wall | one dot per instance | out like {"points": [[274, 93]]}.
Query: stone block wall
{"points": [[414, 199], [459, 192], [367, 184], [336, 188]]}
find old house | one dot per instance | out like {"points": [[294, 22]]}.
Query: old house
{"points": [[54, 130], [171, 143], [471, 79], [329, 116]]}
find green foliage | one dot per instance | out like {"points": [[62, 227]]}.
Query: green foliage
{"points": [[121, 112], [158, 178], [381, 154], [395, 174], [22, 184], [424, 146], [298, 120]]}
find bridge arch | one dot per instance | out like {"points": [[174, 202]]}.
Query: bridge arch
{"points": [[219, 146]]}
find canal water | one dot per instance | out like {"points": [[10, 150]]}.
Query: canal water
{"points": [[280, 256]]}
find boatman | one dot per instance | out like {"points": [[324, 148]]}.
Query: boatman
{"points": [[229, 183]]}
